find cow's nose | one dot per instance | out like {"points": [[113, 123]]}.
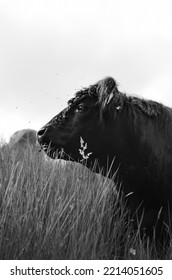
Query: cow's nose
{"points": [[41, 132]]}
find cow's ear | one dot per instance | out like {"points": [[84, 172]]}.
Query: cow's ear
{"points": [[107, 89]]}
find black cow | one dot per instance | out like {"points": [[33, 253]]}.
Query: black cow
{"points": [[122, 132]]}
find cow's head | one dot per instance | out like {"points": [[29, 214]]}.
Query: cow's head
{"points": [[85, 120]]}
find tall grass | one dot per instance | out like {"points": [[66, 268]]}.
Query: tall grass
{"points": [[52, 210]]}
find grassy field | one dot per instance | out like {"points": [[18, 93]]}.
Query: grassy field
{"points": [[52, 210]]}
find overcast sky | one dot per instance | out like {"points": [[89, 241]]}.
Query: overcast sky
{"points": [[51, 48]]}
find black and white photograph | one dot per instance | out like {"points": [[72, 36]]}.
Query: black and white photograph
{"points": [[86, 131]]}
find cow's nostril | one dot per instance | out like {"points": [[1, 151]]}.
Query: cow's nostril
{"points": [[41, 132]]}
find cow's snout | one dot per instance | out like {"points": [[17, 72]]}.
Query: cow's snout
{"points": [[40, 134]]}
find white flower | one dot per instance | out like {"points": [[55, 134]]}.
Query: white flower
{"points": [[83, 150]]}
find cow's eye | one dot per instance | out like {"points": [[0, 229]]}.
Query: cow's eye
{"points": [[81, 108]]}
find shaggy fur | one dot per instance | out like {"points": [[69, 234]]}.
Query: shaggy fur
{"points": [[106, 92]]}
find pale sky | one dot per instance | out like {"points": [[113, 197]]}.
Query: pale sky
{"points": [[51, 48]]}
